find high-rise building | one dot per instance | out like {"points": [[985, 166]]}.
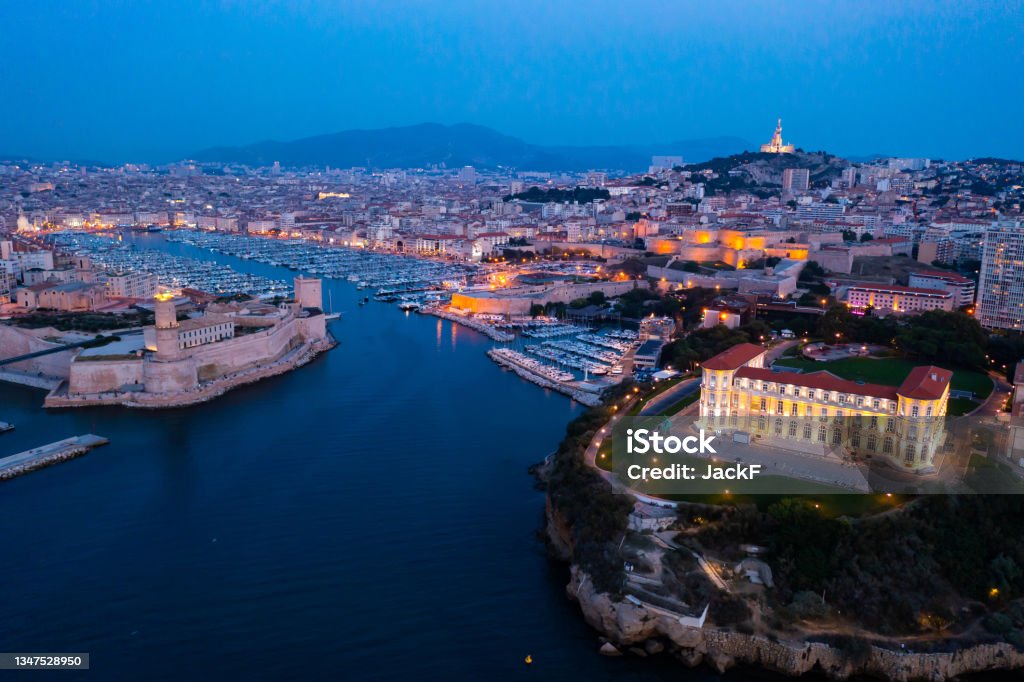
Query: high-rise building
{"points": [[131, 285], [796, 179], [1001, 288], [819, 211]]}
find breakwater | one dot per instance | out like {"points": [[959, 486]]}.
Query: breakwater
{"points": [[476, 325], [580, 396], [46, 455]]}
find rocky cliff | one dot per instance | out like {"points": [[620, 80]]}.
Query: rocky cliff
{"points": [[637, 629]]}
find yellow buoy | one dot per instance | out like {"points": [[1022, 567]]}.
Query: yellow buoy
{"points": [[528, 660]]}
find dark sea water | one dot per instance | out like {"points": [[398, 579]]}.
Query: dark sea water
{"points": [[366, 517]]}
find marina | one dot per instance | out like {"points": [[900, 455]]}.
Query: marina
{"points": [[45, 455], [543, 375], [114, 254], [546, 350], [484, 328], [387, 274]]}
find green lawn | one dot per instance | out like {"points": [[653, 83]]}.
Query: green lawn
{"points": [[960, 406], [889, 372], [659, 388], [834, 502], [761, 492]]}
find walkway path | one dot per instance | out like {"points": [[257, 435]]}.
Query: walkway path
{"points": [[996, 399], [670, 397]]}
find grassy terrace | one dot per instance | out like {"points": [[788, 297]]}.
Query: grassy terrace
{"points": [[660, 388], [833, 501], [892, 372]]}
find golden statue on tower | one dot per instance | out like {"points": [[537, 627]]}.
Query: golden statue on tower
{"points": [[776, 146]]}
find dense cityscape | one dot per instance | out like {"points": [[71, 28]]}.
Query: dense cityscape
{"points": [[453, 341], [828, 314]]}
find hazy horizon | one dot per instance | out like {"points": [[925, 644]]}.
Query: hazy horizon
{"points": [[119, 81]]}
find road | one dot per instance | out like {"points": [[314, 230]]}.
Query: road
{"points": [[685, 388], [776, 351], [670, 397], [996, 399]]}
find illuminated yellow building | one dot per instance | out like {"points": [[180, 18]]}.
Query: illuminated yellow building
{"points": [[902, 425], [776, 146]]}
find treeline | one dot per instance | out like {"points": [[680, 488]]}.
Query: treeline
{"points": [[939, 336], [582, 195], [596, 516], [85, 322], [702, 344], [939, 561]]}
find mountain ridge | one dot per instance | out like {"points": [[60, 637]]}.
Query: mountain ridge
{"points": [[454, 146]]}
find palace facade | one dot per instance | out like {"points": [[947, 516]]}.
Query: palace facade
{"points": [[902, 425]]}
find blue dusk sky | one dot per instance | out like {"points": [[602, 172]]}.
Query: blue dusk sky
{"points": [[117, 81]]}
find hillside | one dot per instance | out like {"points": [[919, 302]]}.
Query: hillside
{"points": [[750, 170]]}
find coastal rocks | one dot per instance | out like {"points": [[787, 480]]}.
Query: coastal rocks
{"points": [[626, 625], [609, 649], [653, 646], [47, 455], [558, 533]]}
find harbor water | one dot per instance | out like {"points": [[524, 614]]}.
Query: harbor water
{"points": [[366, 517]]}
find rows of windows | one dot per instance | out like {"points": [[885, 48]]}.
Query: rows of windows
{"points": [[872, 442], [197, 337], [818, 394]]}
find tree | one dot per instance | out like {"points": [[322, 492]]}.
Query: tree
{"points": [[943, 336], [536, 309], [705, 343], [1006, 350], [812, 270], [866, 237], [835, 321]]}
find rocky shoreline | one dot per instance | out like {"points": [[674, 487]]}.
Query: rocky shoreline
{"points": [[628, 628]]}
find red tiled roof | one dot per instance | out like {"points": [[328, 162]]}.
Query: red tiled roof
{"points": [[926, 383], [735, 357], [898, 289], [947, 276], [825, 381]]}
